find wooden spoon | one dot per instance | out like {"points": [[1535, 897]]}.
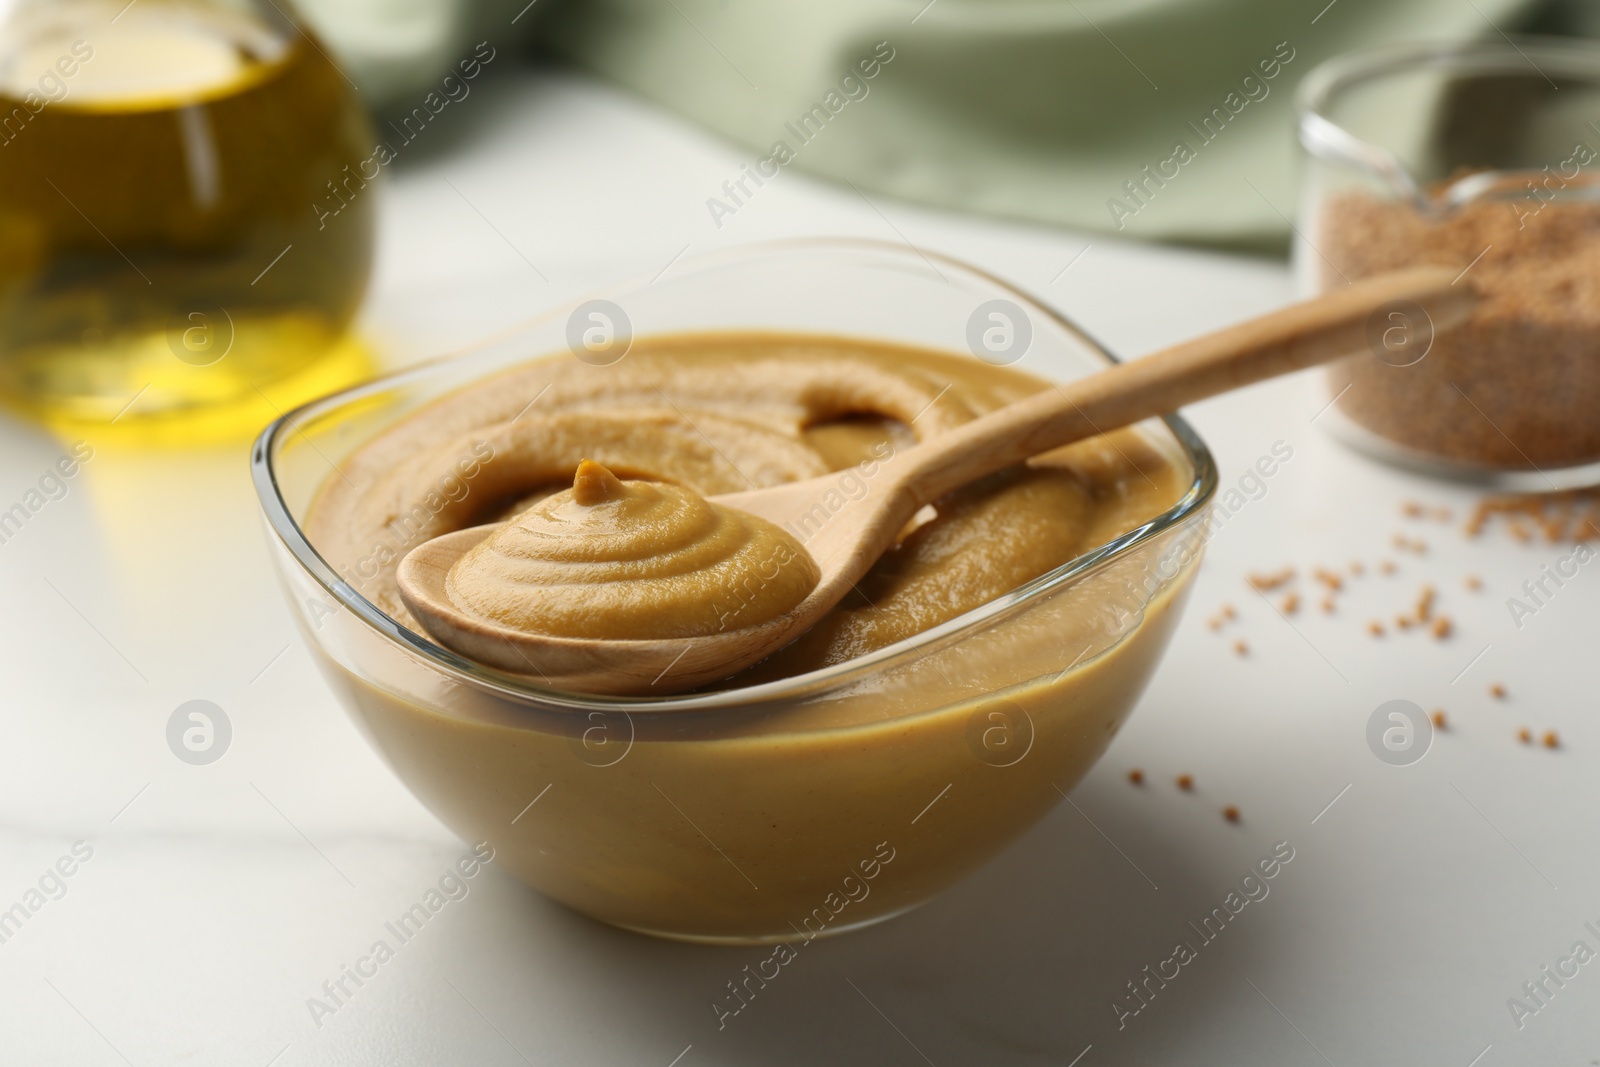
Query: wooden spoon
{"points": [[846, 536]]}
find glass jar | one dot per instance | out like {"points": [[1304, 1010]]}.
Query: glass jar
{"points": [[836, 798], [1483, 158], [168, 258]]}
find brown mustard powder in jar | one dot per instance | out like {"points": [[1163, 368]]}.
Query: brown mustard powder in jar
{"points": [[1518, 384]]}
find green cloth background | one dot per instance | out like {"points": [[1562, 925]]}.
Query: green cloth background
{"points": [[1030, 109]]}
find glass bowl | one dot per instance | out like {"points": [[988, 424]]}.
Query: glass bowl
{"points": [[1482, 158], [796, 808]]}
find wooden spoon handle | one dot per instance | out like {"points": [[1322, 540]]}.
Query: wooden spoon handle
{"points": [[1330, 327]]}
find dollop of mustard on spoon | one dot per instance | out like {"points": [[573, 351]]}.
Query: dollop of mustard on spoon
{"points": [[631, 560]]}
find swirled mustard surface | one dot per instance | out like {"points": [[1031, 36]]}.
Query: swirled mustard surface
{"points": [[635, 560], [719, 413]]}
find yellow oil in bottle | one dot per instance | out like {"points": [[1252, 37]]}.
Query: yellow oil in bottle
{"points": [[165, 267]]}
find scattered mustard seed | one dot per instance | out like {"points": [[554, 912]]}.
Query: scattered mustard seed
{"points": [[1136, 776], [1497, 691], [1231, 813], [1186, 782], [1266, 583], [1551, 739]]}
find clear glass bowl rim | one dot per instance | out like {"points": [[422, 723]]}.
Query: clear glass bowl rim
{"points": [[1325, 139], [276, 510]]}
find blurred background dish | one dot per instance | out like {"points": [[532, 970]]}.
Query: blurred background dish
{"points": [[162, 258], [1484, 158]]}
